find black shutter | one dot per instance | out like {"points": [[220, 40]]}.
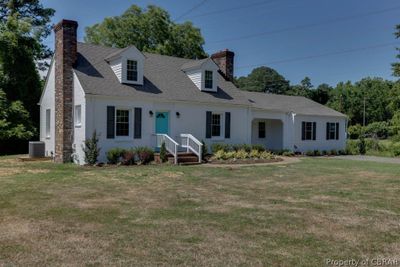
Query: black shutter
{"points": [[337, 131], [110, 122], [138, 124], [208, 124], [303, 130], [227, 125], [314, 130], [327, 131]]}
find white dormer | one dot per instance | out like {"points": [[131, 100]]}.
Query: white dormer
{"points": [[203, 74], [128, 65]]}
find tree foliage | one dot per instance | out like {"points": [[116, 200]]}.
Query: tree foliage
{"points": [[150, 30], [23, 25], [396, 66], [14, 120], [264, 79]]}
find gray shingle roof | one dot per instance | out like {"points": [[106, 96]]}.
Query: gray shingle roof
{"points": [[165, 80], [296, 104]]}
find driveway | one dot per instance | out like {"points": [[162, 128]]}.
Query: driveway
{"points": [[370, 158]]}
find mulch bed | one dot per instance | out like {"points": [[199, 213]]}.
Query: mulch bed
{"points": [[245, 161]]}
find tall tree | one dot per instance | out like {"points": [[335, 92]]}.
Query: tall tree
{"points": [[302, 89], [396, 66], [150, 30], [263, 79], [23, 25], [322, 93]]}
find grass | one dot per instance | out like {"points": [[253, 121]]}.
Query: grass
{"points": [[289, 215]]}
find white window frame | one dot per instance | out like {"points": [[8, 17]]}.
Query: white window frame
{"points": [[127, 70], [312, 131], [78, 115], [221, 126], [330, 131], [130, 125], [48, 124]]}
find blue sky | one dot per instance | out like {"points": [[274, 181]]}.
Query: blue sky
{"points": [[329, 41]]}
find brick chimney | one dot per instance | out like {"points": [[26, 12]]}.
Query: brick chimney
{"points": [[224, 60], [65, 58]]}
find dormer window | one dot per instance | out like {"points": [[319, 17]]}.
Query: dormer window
{"points": [[208, 79], [131, 70]]}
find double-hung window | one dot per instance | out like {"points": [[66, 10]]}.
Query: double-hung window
{"points": [[332, 131], [131, 70], [309, 130], [216, 125], [122, 122], [208, 79]]}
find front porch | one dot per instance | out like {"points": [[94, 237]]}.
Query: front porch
{"points": [[267, 132]]}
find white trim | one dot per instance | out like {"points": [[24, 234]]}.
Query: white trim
{"points": [[77, 123], [130, 124]]}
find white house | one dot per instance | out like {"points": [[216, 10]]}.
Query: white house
{"points": [[135, 99]]}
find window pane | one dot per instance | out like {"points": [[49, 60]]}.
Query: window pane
{"points": [[208, 79], [308, 131], [77, 115], [216, 125], [47, 122], [131, 74], [122, 122], [261, 129], [332, 131]]}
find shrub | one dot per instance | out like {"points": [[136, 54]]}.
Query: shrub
{"points": [[128, 157], [259, 148], [145, 155], [204, 150], [352, 147], [309, 153], [114, 155], [324, 152], [255, 154], [266, 155], [362, 148], [288, 153], [241, 154], [281, 151], [373, 144], [342, 152], [317, 153], [219, 155], [229, 155], [219, 146], [379, 129], [244, 147], [163, 153], [355, 131], [91, 149], [396, 150], [333, 152]]}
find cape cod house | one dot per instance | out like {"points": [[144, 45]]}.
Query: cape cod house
{"points": [[131, 98]]}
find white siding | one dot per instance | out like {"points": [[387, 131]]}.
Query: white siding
{"points": [[116, 66], [47, 102], [119, 65], [273, 134], [196, 77], [79, 131], [320, 143]]}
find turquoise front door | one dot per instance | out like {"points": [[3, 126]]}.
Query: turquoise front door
{"points": [[162, 122]]}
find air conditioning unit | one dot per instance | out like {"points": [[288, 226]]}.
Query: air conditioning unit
{"points": [[36, 149]]}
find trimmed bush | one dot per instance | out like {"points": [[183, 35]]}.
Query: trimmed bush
{"points": [[355, 131], [259, 148], [219, 155], [241, 154], [145, 155], [219, 146], [244, 147], [288, 154], [91, 149], [114, 155], [254, 153], [333, 152], [310, 153], [266, 155], [229, 155], [317, 153], [352, 147], [128, 157], [204, 150]]}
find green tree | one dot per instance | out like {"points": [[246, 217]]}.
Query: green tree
{"points": [[322, 93], [23, 25], [263, 79], [150, 30], [14, 120], [396, 66], [303, 89]]}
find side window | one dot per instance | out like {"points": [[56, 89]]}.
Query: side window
{"points": [[216, 125], [48, 114], [208, 79], [122, 122], [309, 130], [78, 115]]}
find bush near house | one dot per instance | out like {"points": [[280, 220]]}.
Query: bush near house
{"points": [[114, 155], [138, 155], [243, 155], [91, 149]]}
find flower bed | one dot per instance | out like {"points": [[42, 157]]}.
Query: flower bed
{"points": [[243, 157]]}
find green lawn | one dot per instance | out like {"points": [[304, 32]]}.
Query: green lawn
{"points": [[287, 215]]}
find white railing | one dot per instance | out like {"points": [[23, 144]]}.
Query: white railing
{"points": [[190, 142], [170, 145]]}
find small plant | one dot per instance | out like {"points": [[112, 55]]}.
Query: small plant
{"points": [[333, 152], [288, 154], [342, 152], [266, 155], [229, 155], [114, 155], [244, 147], [309, 153], [255, 154], [163, 153], [324, 152], [91, 149], [396, 150], [204, 150], [128, 157], [259, 148], [219, 146], [145, 155], [219, 155], [241, 154], [317, 153]]}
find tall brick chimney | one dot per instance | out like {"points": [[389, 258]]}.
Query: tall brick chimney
{"points": [[65, 58], [224, 60]]}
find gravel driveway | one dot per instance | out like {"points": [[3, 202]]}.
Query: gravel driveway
{"points": [[371, 158]]}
